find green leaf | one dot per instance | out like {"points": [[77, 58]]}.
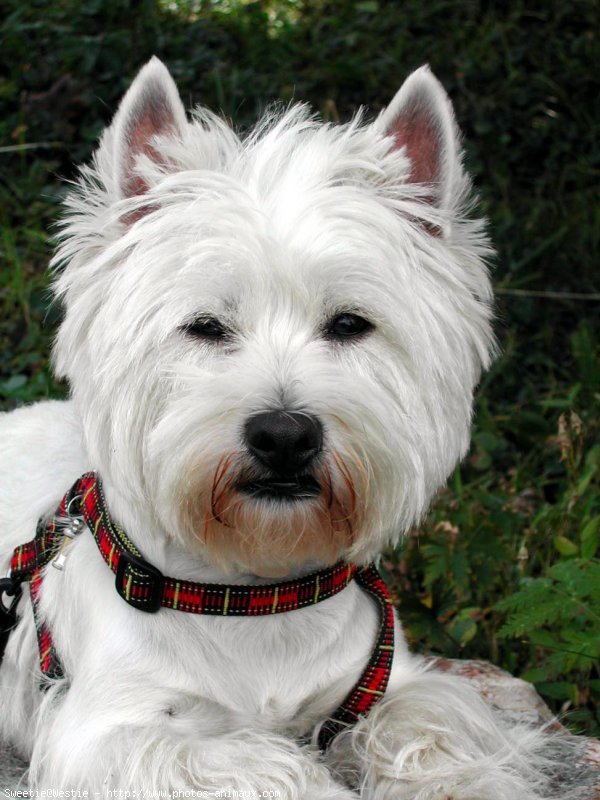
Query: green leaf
{"points": [[459, 566], [463, 627], [368, 6], [580, 579], [586, 478], [534, 605], [565, 546], [542, 638], [487, 441], [13, 384], [560, 690], [590, 538], [536, 675]]}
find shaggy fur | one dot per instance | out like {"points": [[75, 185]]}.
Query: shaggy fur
{"points": [[274, 235]]}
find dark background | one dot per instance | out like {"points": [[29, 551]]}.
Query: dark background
{"points": [[521, 517]]}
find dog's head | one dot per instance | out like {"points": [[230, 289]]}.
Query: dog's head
{"points": [[274, 340]]}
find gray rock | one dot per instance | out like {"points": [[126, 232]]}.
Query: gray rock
{"points": [[516, 701], [12, 770]]}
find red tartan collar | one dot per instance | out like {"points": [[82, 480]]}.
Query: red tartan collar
{"points": [[146, 588], [143, 586]]}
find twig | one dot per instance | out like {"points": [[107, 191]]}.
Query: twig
{"points": [[595, 296], [17, 148]]}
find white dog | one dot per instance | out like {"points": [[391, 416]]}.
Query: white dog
{"points": [[272, 345]]}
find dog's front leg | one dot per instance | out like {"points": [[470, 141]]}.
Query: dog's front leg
{"points": [[434, 738], [155, 747]]}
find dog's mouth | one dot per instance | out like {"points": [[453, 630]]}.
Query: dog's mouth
{"points": [[300, 487]]}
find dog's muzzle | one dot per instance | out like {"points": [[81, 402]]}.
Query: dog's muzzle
{"points": [[286, 443]]}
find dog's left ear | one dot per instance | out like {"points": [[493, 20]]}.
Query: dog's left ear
{"points": [[420, 118], [150, 109]]}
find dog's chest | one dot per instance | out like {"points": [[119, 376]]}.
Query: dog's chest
{"points": [[275, 669], [286, 671]]}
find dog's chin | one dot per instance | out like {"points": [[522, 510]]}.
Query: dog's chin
{"points": [[266, 524]]}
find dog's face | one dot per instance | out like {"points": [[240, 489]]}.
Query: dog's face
{"points": [[274, 342]]}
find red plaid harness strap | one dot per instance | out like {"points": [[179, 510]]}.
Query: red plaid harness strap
{"points": [[144, 587]]}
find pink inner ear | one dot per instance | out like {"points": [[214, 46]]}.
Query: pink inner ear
{"points": [[415, 128], [154, 118]]}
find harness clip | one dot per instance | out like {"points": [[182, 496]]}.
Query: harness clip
{"points": [[10, 587]]}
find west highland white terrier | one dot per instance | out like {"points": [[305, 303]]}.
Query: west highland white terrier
{"points": [[272, 344]]}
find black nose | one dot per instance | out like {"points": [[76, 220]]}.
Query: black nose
{"points": [[284, 441]]}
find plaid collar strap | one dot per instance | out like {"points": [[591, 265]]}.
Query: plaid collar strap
{"points": [[144, 587]]}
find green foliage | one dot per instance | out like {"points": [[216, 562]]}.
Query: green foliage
{"points": [[570, 592], [506, 564]]}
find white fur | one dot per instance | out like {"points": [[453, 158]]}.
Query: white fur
{"points": [[273, 234]]}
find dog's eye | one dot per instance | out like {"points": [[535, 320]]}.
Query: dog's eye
{"points": [[207, 328], [345, 325]]}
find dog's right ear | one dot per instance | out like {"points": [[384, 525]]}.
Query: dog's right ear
{"points": [[150, 109], [421, 120]]}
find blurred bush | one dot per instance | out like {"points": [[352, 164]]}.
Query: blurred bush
{"points": [[506, 566]]}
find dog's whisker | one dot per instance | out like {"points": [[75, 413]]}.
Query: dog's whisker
{"points": [[347, 478]]}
